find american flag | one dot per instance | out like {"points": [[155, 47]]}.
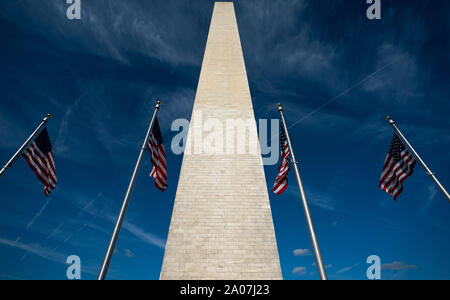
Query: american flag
{"points": [[158, 157], [39, 156], [399, 164], [281, 181]]}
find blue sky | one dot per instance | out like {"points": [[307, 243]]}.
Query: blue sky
{"points": [[337, 74]]}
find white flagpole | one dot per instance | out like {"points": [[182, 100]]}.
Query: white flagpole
{"points": [[421, 162], [25, 145], [309, 222], [115, 235]]}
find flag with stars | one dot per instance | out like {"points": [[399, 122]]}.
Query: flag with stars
{"points": [[399, 164], [158, 157], [39, 156], [281, 181]]}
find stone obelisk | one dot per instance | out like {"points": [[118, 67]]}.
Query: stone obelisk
{"points": [[221, 225]]}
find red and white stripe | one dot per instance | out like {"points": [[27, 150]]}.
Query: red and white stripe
{"points": [[158, 159], [43, 166], [394, 174], [281, 181]]}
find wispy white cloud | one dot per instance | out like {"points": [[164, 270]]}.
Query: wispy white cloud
{"points": [[38, 214], [56, 231], [326, 266], [129, 253], [79, 229], [47, 253], [35, 217], [301, 252], [322, 202], [298, 51], [36, 249], [397, 65], [147, 237], [397, 266], [92, 208], [132, 26], [60, 147], [299, 271], [346, 269], [316, 199], [432, 192]]}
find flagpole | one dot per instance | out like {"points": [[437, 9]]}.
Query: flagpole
{"points": [[115, 235], [312, 233], [419, 159], [25, 145]]}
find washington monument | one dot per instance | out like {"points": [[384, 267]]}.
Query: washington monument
{"points": [[221, 225]]}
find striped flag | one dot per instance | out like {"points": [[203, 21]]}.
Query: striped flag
{"points": [[39, 156], [399, 164], [281, 181], [157, 157]]}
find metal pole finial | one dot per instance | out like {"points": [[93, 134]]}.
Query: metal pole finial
{"points": [[280, 108], [388, 118], [47, 117], [158, 104]]}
